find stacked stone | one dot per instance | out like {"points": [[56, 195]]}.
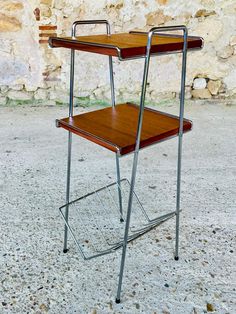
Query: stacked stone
{"points": [[30, 71], [204, 88]]}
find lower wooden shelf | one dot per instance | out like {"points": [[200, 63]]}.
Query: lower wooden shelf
{"points": [[115, 128]]}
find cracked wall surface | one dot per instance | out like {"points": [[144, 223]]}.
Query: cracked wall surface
{"points": [[30, 71]]}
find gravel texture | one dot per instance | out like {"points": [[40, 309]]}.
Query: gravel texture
{"points": [[36, 277]]}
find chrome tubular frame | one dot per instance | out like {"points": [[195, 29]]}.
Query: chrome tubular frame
{"points": [[154, 222], [71, 106], [113, 102], [138, 136], [181, 118]]}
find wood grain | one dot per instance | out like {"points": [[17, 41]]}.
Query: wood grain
{"points": [[115, 128], [130, 45]]}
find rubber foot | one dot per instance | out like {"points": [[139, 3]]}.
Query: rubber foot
{"points": [[117, 301], [121, 219], [176, 258], [65, 250]]}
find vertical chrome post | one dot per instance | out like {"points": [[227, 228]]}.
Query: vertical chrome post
{"points": [[181, 117], [113, 102], [135, 163], [135, 160], [119, 187], [71, 103], [112, 81], [67, 190], [111, 71]]}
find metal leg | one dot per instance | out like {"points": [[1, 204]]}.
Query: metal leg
{"points": [[178, 197], [181, 117], [112, 81], [72, 70], [138, 136], [135, 162], [119, 188], [67, 190], [71, 102], [117, 158]]}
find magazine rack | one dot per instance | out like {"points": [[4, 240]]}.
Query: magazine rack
{"points": [[123, 129]]}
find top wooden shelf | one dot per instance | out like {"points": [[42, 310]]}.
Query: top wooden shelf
{"points": [[126, 45]]}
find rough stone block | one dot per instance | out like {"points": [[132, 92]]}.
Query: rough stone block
{"points": [[204, 13], [14, 68], [226, 52], [3, 101], [188, 94], [9, 24], [41, 94], [59, 97], [233, 41], [199, 83], [208, 2], [30, 88], [210, 29], [201, 93], [46, 2], [214, 86], [4, 89], [17, 87], [157, 18], [19, 95], [11, 6], [200, 64], [230, 80], [46, 11], [162, 2]]}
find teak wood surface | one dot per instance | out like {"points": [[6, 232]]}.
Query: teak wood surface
{"points": [[116, 128], [131, 45]]}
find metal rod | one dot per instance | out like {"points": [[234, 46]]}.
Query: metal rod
{"points": [[72, 234], [67, 190], [84, 22], [112, 81], [160, 218], [104, 207], [91, 193], [134, 170], [119, 188], [115, 243], [181, 117], [139, 129], [111, 72], [113, 102], [112, 198], [71, 105]]}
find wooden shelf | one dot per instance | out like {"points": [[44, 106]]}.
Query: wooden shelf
{"points": [[115, 128], [126, 45]]}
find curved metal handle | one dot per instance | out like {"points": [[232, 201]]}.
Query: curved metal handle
{"points": [[89, 22], [154, 30]]}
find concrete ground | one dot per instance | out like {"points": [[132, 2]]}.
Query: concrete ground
{"points": [[36, 277]]}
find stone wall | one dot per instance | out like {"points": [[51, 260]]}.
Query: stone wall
{"points": [[32, 72]]}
